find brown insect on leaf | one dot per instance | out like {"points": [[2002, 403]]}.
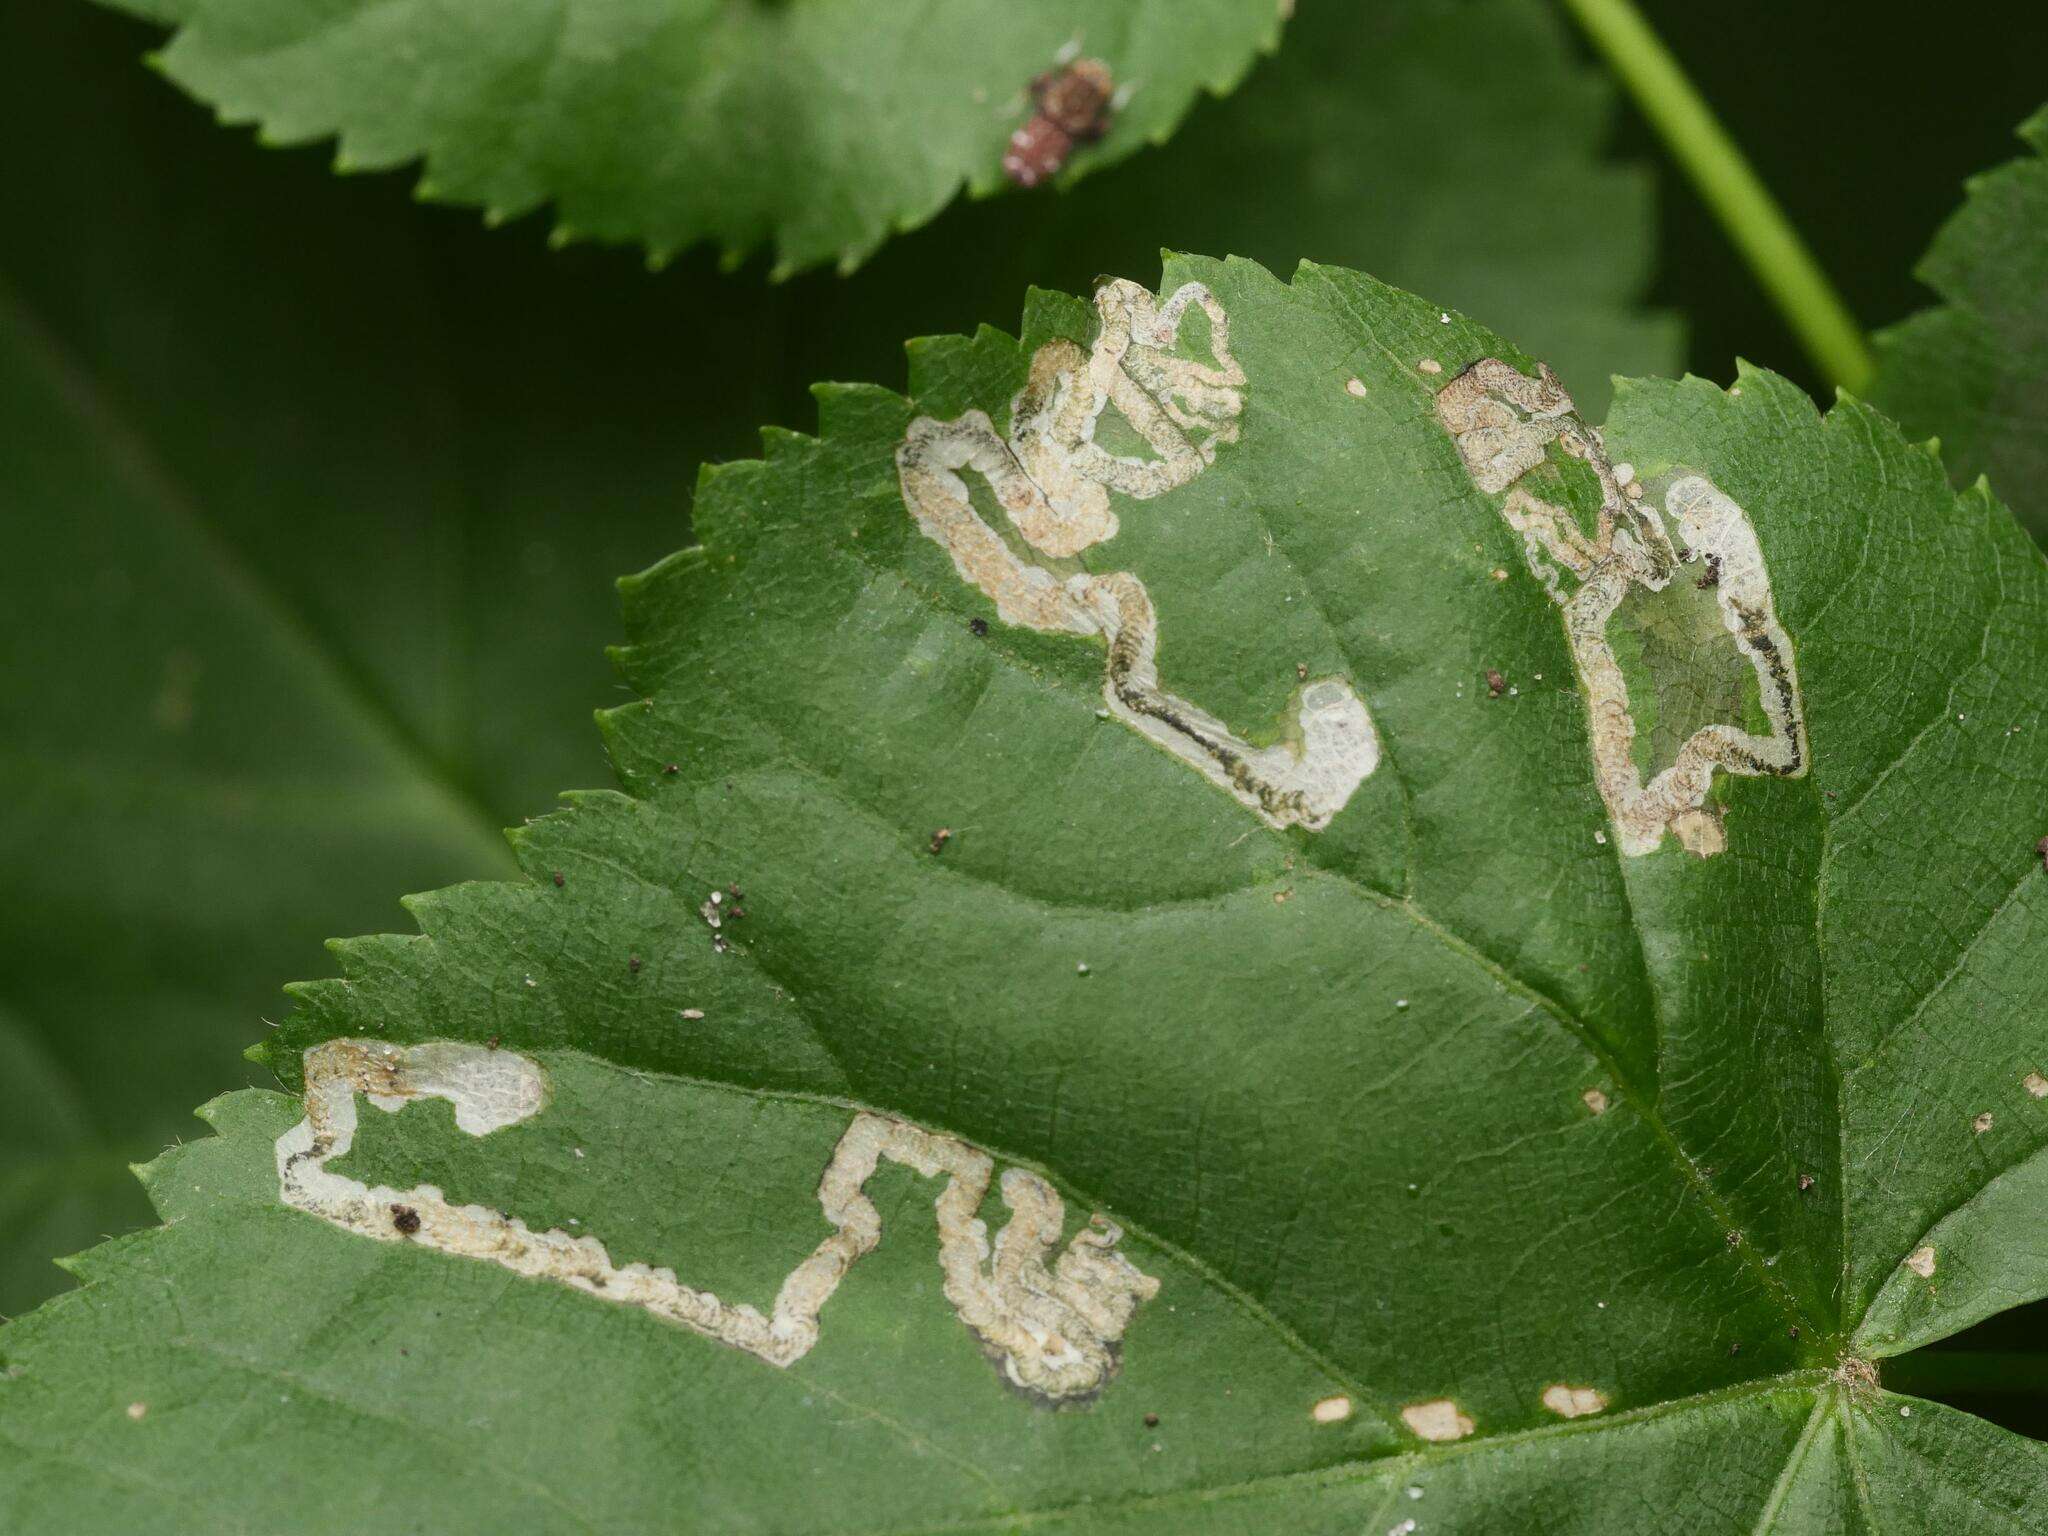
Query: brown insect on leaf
{"points": [[1073, 105]]}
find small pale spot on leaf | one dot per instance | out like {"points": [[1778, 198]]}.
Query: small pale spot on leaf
{"points": [[1921, 1261], [1982, 1123], [1355, 387], [1596, 1101], [1573, 1402], [1331, 1410], [136, 1411], [2035, 1084], [1437, 1419]]}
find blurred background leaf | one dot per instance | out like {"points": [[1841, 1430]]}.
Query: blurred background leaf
{"points": [[1973, 370]]}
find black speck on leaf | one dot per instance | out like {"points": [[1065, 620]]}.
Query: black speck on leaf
{"points": [[405, 1218], [978, 626]]}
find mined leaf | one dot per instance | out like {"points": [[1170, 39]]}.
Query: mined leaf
{"points": [[1974, 370], [385, 485], [1513, 1121], [822, 126]]}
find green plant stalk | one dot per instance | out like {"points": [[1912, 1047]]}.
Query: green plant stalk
{"points": [[1739, 200]]}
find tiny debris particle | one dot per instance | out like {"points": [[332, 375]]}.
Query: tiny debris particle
{"points": [[671, 769], [1301, 670], [1735, 1349], [2035, 1084], [1444, 316], [1355, 386], [1793, 1331], [405, 1218], [693, 1013], [1430, 366], [1331, 1410], [1280, 898], [1905, 1411], [940, 838], [1400, 1005], [1151, 1421], [977, 626], [1081, 968], [1921, 1261], [1734, 1239], [578, 1151], [633, 964], [1982, 1123], [1573, 1402], [492, 1043], [1499, 574], [1496, 684], [1402, 1528], [1596, 1101], [1437, 1419], [1599, 837], [136, 1411], [2041, 852], [559, 881], [1805, 1182]]}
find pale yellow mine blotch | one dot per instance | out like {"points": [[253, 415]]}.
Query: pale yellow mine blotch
{"points": [[1437, 1419], [1573, 1402]]}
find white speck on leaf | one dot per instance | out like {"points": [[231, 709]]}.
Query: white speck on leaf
{"points": [[1331, 1410]]}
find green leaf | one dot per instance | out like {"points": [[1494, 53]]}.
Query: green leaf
{"points": [[821, 126], [1513, 1121], [319, 551], [1974, 370]]}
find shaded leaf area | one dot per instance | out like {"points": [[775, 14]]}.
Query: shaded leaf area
{"points": [[320, 498], [1973, 371], [820, 126], [1447, 1104]]}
